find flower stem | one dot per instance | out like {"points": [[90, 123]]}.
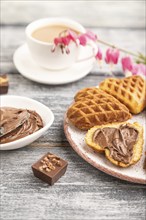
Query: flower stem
{"points": [[120, 49]]}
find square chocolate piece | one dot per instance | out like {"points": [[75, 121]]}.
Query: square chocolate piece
{"points": [[4, 84], [49, 168]]}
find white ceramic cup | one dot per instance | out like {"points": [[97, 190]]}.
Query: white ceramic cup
{"points": [[41, 51]]}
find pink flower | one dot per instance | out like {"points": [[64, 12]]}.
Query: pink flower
{"points": [[62, 40], [91, 35], [127, 64], [134, 69], [112, 56], [66, 40], [139, 69], [82, 40], [72, 35], [57, 40], [99, 54]]}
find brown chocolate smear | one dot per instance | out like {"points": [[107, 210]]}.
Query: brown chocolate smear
{"points": [[17, 123], [119, 141]]}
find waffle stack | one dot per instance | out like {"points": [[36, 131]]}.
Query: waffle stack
{"points": [[130, 91], [105, 110], [95, 107]]}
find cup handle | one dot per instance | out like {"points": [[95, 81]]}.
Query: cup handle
{"points": [[95, 50], [94, 46]]}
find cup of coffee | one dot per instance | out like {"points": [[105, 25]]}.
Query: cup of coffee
{"points": [[40, 36]]}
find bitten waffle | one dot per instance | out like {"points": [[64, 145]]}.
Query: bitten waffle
{"points": [[131, 91], [137, 147], [95, 107]]}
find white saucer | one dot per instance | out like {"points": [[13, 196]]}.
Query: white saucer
{"points": [[29, 69]]}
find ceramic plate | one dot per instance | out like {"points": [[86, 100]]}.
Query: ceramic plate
{"points": [[29, 69], [27, 103], [134, 173]]}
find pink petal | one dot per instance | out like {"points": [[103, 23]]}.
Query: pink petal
{"points": [[139, 69], [82, 39], [72, 35], [108, 56], [142, 69], [62, 40], [66, 40], [112, 56], [99, 54], [57, 40], [127, 64], [91, 35], [115, 56]]}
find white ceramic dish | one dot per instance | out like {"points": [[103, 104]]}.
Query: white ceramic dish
{"points": [[134, 173], [23, 102], [29, 69]]}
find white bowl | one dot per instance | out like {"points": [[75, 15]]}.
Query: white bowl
{"points": [[27, 103]]}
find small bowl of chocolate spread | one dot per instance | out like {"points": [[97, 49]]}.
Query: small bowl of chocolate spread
{"points": [[22, 121]]}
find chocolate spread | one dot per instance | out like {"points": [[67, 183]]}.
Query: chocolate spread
{"points": [[119, 141], [17, 123]]}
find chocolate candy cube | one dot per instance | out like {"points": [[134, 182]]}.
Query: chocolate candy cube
{"points": [[4, 84], [49, 168]]}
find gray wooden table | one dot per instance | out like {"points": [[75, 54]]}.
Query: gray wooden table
{"points": [[83, 192]]}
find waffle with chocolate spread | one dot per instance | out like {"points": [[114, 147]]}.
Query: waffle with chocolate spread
{"points": [[121, 143]]}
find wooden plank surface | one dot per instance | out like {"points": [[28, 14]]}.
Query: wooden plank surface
{"points": [[83, 193], [106, 13]]}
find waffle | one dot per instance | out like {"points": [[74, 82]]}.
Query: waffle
{"points": [[131, 91], [96, 107], [137, 148], [91, 93]]}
